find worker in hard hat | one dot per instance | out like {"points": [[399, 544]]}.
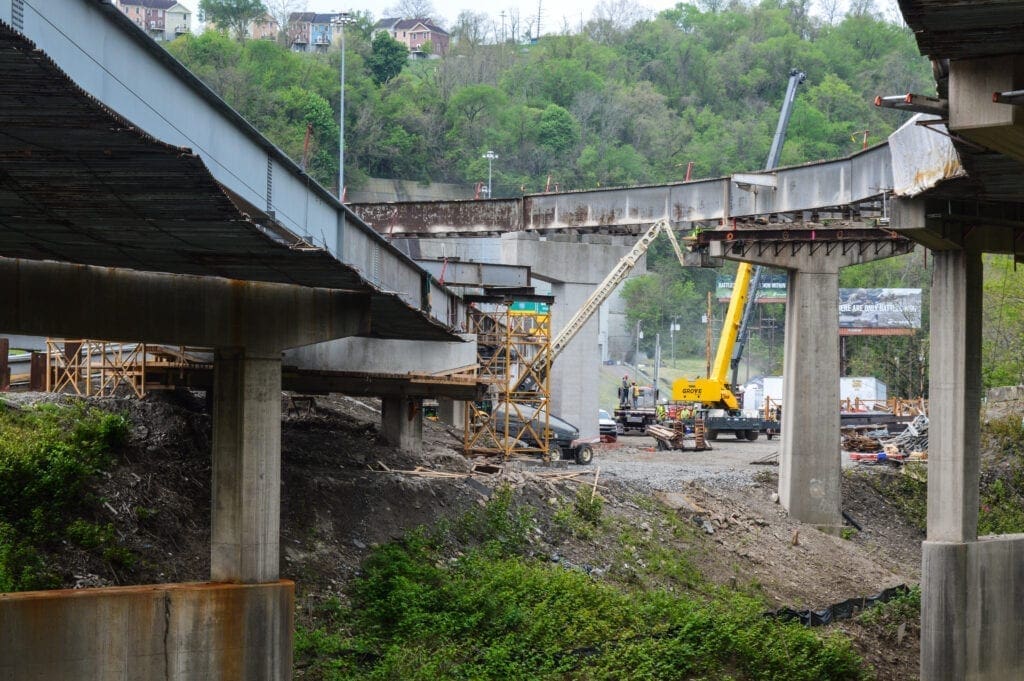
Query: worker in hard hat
{"points": [[624, 392]]}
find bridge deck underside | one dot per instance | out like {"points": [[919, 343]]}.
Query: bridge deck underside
{"points": [[80, 184]]}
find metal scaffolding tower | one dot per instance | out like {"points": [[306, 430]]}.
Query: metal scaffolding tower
{"points": [[513, 354]]}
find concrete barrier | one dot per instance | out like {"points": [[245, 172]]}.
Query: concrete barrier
{"points": [[210, 631]]}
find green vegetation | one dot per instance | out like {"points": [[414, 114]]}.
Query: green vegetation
{"points": [[887, 617], [48, 455], [420, 611], [1002, 478]]}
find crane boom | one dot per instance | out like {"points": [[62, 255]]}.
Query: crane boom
{"points": [[601, 293], [717, 390], [774, 154], [614, 278]]}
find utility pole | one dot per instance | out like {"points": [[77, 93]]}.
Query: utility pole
{"points": [[673, 327], [636, 354], [341, 19], [657, 366]]}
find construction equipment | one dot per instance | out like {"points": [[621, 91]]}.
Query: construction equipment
{"points": [[605, 289], [716, 393]]}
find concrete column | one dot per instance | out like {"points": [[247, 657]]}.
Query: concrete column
{"points": [[452, 412], [955, 632], [402, 422], [810, 466], [246, 472], [954, 396], [809, 463], [575, 375]]}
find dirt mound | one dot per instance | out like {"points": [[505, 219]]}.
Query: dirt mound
{"points": [[344, 490]]}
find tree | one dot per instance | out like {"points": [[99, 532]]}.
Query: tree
{"points": [[232, 15], [282, 9], [558, 130], [411, 9], [387, 58]]}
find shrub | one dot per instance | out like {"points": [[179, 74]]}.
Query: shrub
{"points": [[48, 455]]}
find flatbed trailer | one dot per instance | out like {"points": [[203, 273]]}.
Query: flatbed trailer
{"points": [[636, 419]]}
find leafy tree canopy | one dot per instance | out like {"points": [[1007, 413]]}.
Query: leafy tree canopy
{"points": [[387, 58], [232, 15]]}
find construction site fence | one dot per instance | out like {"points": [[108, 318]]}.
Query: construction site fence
{"points": [[896, 406]]}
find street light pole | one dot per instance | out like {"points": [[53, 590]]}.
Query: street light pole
{"points": [[490, 156], [672, 335], [342, 18]]}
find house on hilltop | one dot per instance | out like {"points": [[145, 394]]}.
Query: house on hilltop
{"points": [[264, 28], [413, 33], [161, 19], [310, 32]]}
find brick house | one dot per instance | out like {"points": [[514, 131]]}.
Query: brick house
{"points": [[264, 28], [414, 32], [161, 19], [310, 32]]}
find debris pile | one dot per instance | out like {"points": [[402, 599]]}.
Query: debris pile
{"points": [[910, 445], [855, 442]]}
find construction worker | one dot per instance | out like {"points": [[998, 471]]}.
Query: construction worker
{"points": [[624, 392], [636, 394]]}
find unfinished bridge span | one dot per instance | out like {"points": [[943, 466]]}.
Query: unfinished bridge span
{"points": [[246, 255]]}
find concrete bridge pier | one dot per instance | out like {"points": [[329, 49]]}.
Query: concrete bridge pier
{"points": [[972, 589], [402, 422], [452, 412], [246, 484], [809, 461], [239, 624]]}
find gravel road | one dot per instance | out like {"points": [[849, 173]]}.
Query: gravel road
{"points": [[635, 459]]}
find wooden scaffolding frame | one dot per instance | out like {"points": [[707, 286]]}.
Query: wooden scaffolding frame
{"points": [[96, 368], [514, 357]]}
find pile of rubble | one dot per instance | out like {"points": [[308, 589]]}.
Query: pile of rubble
{"points": [[910, 445]]}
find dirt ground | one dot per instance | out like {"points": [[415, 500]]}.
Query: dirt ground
{"points": [[343, 491]]}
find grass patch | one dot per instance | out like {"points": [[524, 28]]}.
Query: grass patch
{"points": [[48, 455], [423, 611]]}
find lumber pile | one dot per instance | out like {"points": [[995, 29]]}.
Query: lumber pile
{"points": [[855, 442]]}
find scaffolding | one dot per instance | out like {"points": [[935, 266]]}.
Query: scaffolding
{"points": [[95, 368], [513, 355]]}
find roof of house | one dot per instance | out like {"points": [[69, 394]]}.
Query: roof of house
{"points": [[387, 22], [150, 4], [311, 17], [406, 24]]}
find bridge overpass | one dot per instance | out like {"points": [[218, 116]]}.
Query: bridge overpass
{"points": [[136, 206], [248, 256]]}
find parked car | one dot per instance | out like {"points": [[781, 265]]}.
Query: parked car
{"points": [[608, 426], [563, 439]]}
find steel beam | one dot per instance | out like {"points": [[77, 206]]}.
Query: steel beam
{"points": [[459, 273]]}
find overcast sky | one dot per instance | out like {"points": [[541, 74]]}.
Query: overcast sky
{"points": [[554, 13]]}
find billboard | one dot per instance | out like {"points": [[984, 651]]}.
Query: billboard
{"points": [[771, 288], [880, 308], [862, 311]]}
